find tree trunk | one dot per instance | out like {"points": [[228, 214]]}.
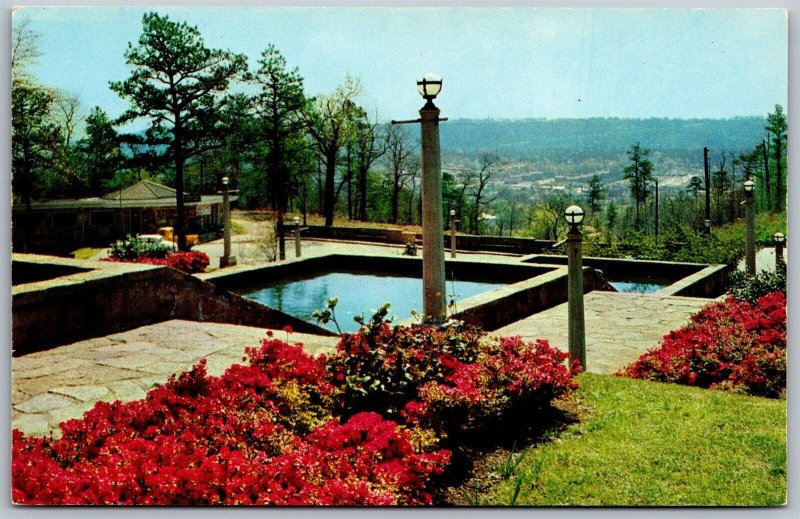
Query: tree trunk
{"points": [[362, 193], [330, 179], [395, 200]]}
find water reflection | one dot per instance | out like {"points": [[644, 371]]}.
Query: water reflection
{"points": [[637, 287], [358, 294]]}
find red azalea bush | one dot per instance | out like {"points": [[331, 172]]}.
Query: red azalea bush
{"points": [[261, 433], [732, 344], [446, 378], [290, 429], [191, 262]]}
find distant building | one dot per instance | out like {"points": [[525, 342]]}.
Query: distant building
{"points": [[60, 226]]}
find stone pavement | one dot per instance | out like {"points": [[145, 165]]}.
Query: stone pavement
{"points": [[51, 386], [619, 326]]}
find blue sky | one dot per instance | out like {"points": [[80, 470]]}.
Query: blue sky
{"points": [[500, 63]]}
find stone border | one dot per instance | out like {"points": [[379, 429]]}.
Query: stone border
{"points": [[114, 297]]}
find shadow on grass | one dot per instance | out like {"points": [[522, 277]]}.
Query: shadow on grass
{"points": [[484, 457]]}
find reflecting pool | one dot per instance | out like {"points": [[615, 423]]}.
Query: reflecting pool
{"points": [[358, 293]]}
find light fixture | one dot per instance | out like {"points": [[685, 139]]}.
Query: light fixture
{"points": [[749, 186], [779, 237], [225, 181], [429, 86], [296, 220], [707, 223], [574, 215], [452, 212]]}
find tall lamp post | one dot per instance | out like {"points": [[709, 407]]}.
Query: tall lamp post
{"points": [[433, 278], [226, 259], [780, 239], [750, 228], [576, 332], [452, 233]]}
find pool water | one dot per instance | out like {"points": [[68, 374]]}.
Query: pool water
{"points": [[638, 286], [358, 293]]}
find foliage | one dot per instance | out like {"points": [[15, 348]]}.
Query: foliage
{"points": [[136, 250], [447, 378], [241, 438], [133, 248], [34, 138], [673, 245], [732, 344], [640, 174], [101, 151], [752, 288], [639, 443]]}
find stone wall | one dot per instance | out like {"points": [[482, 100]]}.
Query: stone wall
{"points": [[399, 236], [514, 302], [115, 297]]}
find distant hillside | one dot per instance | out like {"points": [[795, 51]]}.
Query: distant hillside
{"points": [[527, 138]]}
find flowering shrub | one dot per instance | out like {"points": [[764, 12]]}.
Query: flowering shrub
{"points": [[261, 433], [190, 262], [732, 344], [445, 378]]}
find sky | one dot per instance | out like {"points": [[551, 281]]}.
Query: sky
{"points": [[495, 63]]}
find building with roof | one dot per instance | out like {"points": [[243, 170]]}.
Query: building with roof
{"points": [[60, 226]]}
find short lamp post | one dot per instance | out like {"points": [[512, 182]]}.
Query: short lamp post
{"points": [[750, 228], [780, 240], [433, 279], [576, 327], [452, 233], [297, 251], [226, 259], [707, 226]]}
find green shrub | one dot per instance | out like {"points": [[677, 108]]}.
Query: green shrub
{"points": [[751, 288], [132, 248]]}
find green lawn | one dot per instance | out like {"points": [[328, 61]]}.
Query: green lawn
{"points": [[645, 443]]}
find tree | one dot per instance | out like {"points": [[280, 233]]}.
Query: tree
{"points": [[102, 156], [595, 194], [720, 181], [24, 49], [369, 145], [34, 137], [611, 219], [639, 173], [487, 166], [329, 121], [398, 153], [177, 83], [695, 186], [776, 129], [280, 105]]}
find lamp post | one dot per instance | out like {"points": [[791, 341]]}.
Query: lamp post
{"points": [[297, 251], [452, 233], [750, 226], [576, 331], [780, 239], [433, 279], [226, 258]]}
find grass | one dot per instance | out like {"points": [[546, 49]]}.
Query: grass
{"points": [[640, 443], [87, 252]]}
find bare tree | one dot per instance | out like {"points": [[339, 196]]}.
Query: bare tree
{"points": [[398, 152], [24, 48], [487, 166]]}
